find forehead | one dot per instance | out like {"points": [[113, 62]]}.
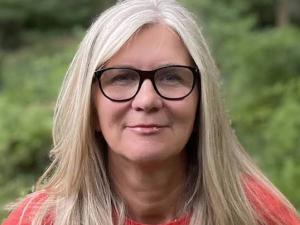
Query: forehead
{"points": [[150, 47]]}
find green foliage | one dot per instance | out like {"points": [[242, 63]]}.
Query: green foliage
{"points": [[263, 87], [25, 139], [17, 16], [261, 75], [30, 80]]}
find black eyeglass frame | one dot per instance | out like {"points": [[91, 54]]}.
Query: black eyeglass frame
{"points": [[149, 74]]}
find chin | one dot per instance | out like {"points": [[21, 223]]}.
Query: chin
{"points": [[150, 156]]}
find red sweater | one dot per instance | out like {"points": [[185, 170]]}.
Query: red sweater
{"points": [[272, 208], [25, 212]]}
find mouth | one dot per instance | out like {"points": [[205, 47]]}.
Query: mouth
{"points": [[146, 128]]}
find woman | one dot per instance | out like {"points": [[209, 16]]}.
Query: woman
{"points": [[140, 136]]}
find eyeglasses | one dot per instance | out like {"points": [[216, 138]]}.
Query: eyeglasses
{"points": [[121, 84]]}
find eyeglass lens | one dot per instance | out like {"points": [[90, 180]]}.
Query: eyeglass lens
{"points": [[170, 82]]}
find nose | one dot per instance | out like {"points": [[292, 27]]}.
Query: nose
{"points": [[147, 99]]}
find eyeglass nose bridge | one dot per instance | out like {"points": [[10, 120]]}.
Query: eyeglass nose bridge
{"points": [[144, 75]]}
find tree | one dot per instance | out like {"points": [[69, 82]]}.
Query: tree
{"points": [[19, 16], [282, 13]]}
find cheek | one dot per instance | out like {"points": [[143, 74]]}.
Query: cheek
{"points": [[188, 118], [110, 115], [185, 111], [194, 106]]}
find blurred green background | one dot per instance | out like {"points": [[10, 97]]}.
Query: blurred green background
{"points": [[256, 45]]}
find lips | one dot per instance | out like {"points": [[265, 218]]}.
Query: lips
{"points": [[146, 128], [146, 125]]}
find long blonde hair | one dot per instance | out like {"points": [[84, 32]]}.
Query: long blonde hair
{"points": [[77, 183]]}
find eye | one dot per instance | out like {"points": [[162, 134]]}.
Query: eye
{"points": [[120, 77], [173, 77], [170, 78]]}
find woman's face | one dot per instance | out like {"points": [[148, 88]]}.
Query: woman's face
{"points": [[147, 128]]}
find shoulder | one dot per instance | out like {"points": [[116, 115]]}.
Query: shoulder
{"points": [[268, 204], [26, 209]]}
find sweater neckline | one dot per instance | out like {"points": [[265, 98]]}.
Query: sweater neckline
{"points": [[184, 220]]}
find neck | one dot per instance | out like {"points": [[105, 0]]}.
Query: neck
{"points": [[152, 193]]}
